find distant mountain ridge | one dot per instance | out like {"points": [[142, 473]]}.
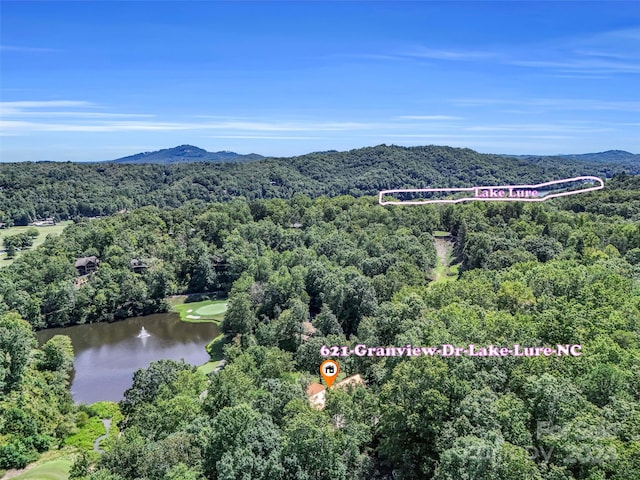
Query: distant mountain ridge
{"points": [[601, 157], [186, 154], [71, 189], [192, 154], [608, 156]]}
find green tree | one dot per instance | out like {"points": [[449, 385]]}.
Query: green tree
{"points": [[414, 405], [57, 354], [148, 382], [16, 342], [243, 444], [239, 318]]}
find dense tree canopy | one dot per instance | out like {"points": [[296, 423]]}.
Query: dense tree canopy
{"points": [[67, 190], [304, 272]]}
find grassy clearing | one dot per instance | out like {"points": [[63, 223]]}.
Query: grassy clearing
{"points": [[441, 233], [443, 270], [208, 367], [205, 311], [39, 240], [50, 470], [214, 349]]}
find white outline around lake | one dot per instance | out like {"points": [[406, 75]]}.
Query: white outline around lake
{"points": [[490, 199]]}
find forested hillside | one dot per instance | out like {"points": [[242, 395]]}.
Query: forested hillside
{"points": [[560, 272], [66, 190]]}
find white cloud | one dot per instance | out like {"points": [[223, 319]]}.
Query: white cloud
{"points": [[613, 52], [449, 54], [553, 103], [537, 128], [25, 113], [23, 107], [266, 137], [25, 117], [429, 117], [581, 65], [20, 127]]}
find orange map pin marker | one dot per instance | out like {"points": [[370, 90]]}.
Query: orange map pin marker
{"points": [[329, 369]]}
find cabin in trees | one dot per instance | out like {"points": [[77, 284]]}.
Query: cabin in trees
{"points": [[43, 222], [316, 392], [219, 263], [137, 266], [87, 265]]}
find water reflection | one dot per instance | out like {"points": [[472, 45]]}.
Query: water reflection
{"points": [[107, 354]]}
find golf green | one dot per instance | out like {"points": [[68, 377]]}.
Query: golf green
{"points": [[205, 311], [212, 309]]}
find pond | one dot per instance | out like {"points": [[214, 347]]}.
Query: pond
{"points": [[107, 354]]}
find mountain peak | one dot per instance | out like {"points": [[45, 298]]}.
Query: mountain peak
{"points": [[186, 149], [185, 154]]}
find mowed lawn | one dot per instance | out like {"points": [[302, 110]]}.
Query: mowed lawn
{"points": [[206, 311], [51, 470], [39, 240]]}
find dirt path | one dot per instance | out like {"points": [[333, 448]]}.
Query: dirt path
{"points": [[444, 249], [107, 425]]}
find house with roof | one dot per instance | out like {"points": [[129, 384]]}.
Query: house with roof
{"points": [[352, 381], [87, 265], [137, 266], [316, 392], [316, 395]]}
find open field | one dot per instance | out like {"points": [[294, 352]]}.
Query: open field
{"points": [[444, 270], [51, 470], [39, 240], [52, 465], [206, 311]]}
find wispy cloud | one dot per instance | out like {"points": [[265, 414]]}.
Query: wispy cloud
{"points": [[552, 103], [447, 54], [525, 127], [14, 106], [21, 127], [13, 127], [429, 117], [605, 53], [19, 48], [266, 137], [68, 114], [470, 137], [25, 117], [592, 65]]}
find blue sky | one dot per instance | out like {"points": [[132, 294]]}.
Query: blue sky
{"points": [[100, 80]]}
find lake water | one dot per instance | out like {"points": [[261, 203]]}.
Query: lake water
{"points": [[107, 354]]}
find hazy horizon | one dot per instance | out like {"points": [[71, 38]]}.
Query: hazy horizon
{"points": [[309, 152]]}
